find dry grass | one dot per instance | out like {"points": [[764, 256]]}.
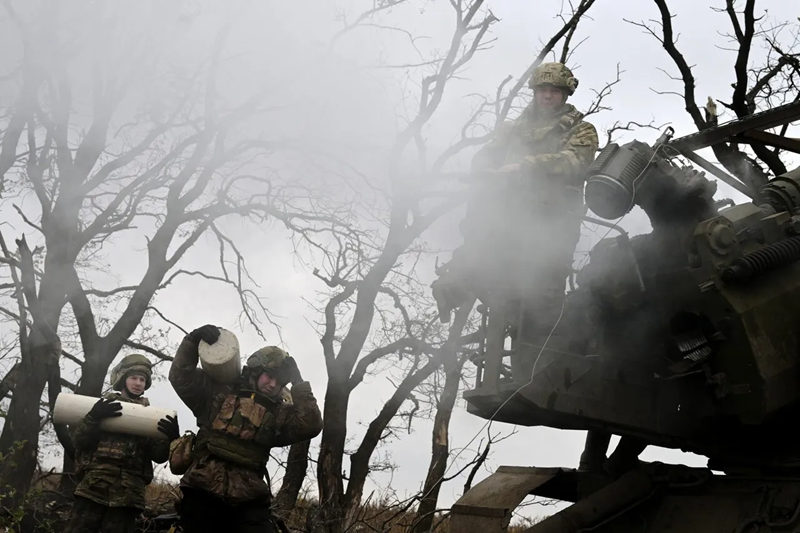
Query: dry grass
{"points": [[161, 497], [383, 518]]}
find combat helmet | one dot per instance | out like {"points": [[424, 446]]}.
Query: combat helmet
{"points": [[269, 359], [555, 74], [131, 363]]}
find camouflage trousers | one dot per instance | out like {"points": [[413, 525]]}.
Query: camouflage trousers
{"points": [[91, 517], [201, 512]]}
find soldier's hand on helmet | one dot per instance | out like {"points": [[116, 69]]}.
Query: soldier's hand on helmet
{"points": [[290, 366], [208, 333], [105, 408], [169, 427]]}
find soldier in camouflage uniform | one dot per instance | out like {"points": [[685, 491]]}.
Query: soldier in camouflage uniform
{"points": [[224, 489], [114, 469], [521, 229]]}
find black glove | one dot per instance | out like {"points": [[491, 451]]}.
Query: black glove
{"points": [[207, 333], [292, 372], [169, 427], [105, 408]]}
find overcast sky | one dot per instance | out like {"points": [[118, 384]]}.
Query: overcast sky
{"points": [[334, 98]]}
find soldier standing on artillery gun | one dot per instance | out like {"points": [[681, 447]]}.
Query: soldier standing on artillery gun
{"points": [[521, 238], [114, 469], [223, 487]]}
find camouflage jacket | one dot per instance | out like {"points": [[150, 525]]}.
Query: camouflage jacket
{"points": [[113, 468], [557, 148], [216, 406]]}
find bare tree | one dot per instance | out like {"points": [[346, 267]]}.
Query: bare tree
{"points": [[99, 168], [440, 446], [755, 88], [362, 269], [294, 477]]}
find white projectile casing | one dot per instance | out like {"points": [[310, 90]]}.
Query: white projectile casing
{"points": [[135, 420], [221, 360]]}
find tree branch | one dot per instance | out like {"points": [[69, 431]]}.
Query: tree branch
{"points": [[152, 351], [583, 7]]}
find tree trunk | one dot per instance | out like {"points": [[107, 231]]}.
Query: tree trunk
{"points": [[67, 482], [439, 452], [441, 447], [293, 478], [93, 376], [40, 352], [9, 381], [329, 467], [360, 461], [53, 390], [20, 457], [19, 442]]}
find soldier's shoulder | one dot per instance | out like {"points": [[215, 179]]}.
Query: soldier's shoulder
{"points": [[585, 130]]}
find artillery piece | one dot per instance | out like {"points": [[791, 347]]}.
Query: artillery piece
{"points": [[687, 337]]}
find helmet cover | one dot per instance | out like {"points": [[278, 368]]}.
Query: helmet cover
{"points": [[556, 75], [132, 364]]}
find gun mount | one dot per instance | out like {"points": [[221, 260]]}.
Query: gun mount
{"points": [[687, 337]]}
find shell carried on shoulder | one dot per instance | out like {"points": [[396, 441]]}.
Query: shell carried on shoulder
{"points": [[221, 360]]}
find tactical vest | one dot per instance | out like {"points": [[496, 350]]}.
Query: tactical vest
{"points": [[527, 139], [243, 429], [125, 451]]}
